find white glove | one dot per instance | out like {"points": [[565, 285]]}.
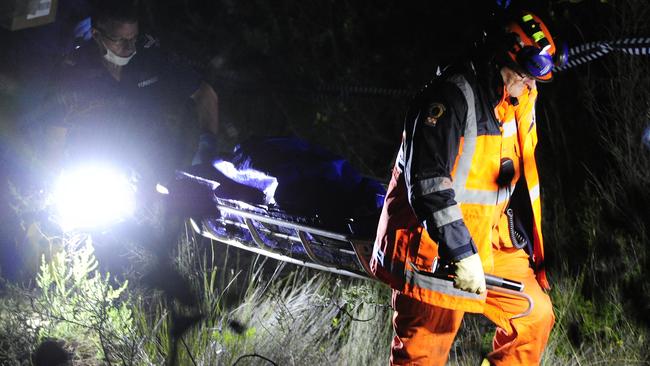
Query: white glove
{"points": [[469, 274]]}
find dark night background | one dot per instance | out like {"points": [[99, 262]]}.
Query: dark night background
{"points": [[340, 73], [315, 70]]}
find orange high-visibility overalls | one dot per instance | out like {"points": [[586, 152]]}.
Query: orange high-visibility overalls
{"points": [[446, 200]]}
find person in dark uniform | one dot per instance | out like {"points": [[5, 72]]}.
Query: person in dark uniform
{"points": [[118, 98]]}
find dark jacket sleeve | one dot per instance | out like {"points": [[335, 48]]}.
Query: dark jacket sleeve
{"points": [[433, 128]]}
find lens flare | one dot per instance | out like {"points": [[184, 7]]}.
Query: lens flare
{"points": [[93, 197]]}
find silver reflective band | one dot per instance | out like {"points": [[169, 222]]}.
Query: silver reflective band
{"points": [[469, 144], [426, 280], [447, 215], [474, 196], [480, 197], [534, 193], [509, 128], [399, 161], [431, 185], [532, 120], [379, 255], [505, 194]]}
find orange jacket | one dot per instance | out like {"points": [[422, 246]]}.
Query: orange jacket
{"points": [[443, 195]]}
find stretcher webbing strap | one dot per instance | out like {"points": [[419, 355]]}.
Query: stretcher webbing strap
{"points": [[591, 51]]}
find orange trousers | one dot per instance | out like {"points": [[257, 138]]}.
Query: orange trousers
{"points": [[424, 333]]}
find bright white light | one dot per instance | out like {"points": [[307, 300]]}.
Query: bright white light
{"points": [[161, 189], [93, 196]]}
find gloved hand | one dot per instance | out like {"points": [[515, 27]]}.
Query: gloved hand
{"points": [[469, 274]]}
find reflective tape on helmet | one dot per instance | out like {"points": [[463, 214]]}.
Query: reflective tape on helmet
{"points": [[537, 36]]}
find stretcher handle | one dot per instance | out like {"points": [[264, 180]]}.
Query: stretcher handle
{"points": [[503, 290], [501, 285], [491, 281], [501, 282], [446, 272]]}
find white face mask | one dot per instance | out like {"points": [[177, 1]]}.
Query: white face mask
{"points": [[111, 57]]}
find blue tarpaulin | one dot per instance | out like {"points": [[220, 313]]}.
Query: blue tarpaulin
{"points": [[310, 179]]}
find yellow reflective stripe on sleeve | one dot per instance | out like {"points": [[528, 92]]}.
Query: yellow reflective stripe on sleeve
{"points": [[431, 185], [527, 17], [447, 215], [509, 128]]}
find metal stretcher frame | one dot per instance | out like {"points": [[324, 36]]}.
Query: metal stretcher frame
{"points": [[305, 235]]}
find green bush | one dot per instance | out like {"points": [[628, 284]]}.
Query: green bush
{"points": [[78, 304]]}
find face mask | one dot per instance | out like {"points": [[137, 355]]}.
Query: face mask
{"points": [[111, 57]]}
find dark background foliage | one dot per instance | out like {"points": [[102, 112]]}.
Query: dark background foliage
{"points": [[340, 73]]}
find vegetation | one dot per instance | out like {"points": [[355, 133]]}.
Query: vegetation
{"points": [[303, 317]]}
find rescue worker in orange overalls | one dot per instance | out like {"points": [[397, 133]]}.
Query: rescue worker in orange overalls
{"points": [[465, 191]]}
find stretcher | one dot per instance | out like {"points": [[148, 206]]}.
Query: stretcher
{"points": [[341, 245], [290, 240]]}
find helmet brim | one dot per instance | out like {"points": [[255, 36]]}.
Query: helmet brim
{"points": [[545, 78]]}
